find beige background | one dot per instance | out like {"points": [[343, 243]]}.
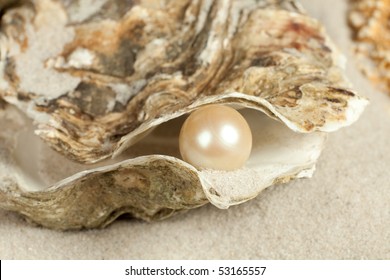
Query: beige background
{"points": [[341, 213]]}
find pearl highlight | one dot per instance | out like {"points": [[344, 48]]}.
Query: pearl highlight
{"points": [[215, 137]]}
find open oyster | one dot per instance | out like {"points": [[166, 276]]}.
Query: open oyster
{"points": [[93, 78]]}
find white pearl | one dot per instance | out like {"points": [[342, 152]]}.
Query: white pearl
{"points": [[215, 137]]}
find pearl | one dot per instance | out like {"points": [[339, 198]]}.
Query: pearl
{"points": [[215, 137]]}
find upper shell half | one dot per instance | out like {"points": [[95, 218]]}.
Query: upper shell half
{"points": [[95, 79]]}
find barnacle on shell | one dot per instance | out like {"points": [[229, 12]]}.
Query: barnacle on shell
{"points": [[107, 86]]}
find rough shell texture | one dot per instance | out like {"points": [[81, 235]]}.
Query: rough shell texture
{"points": [[95, 79], [370, 22]]}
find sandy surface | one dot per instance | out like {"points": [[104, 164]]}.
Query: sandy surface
{"points": [[341, 213]]}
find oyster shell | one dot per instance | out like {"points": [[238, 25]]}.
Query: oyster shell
{"points": [[148, 187], [369, 20], [96, 79]]}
